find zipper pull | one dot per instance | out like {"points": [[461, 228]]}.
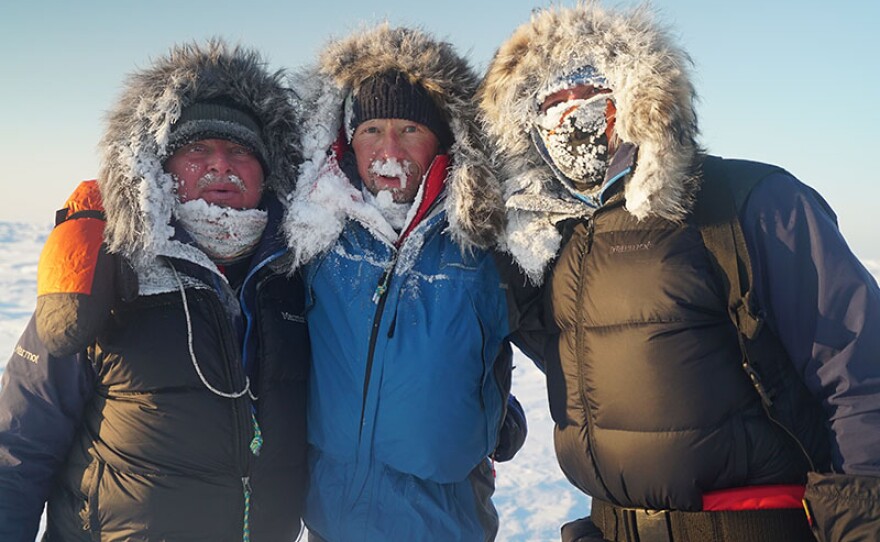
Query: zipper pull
{"points": [[591, 229], [257, 442], [382, 287]]}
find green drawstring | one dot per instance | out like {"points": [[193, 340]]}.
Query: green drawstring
{"points": [[246, 535], [257, 441], [256, 445]]}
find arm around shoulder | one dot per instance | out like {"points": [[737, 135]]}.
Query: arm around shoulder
{"points": [[77, 280], [531, 329]]}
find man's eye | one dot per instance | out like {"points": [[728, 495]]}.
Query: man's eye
{"points": [[410, 129], [195, 147], [242, 151]]}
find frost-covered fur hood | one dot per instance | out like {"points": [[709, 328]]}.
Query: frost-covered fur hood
{"points": [[324, 199], [138, 195], [653, 94]]}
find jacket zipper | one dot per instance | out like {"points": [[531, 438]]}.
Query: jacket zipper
{"points": [[245, 310], [585, 250], [241, 415], [591, 230], [380, 296]]}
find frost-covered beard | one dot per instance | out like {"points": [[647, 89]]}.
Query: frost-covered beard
{"points": [[395, 213], [223, 233], [573, 133], [404, 171]]}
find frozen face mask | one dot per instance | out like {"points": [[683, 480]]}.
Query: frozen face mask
{"points": [[573, 133], [226, 235]]}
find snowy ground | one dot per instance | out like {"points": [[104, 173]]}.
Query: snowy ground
{"points": [[533, 498]]}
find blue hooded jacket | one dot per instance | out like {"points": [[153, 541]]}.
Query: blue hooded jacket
{"points": [[410, 330]]}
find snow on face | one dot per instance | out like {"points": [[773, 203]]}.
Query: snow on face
{"points": [[218, 171], [573, 132], [395, 213], [391, 167], [223, 233], [394, 155], [399, 179], [215, 178]]}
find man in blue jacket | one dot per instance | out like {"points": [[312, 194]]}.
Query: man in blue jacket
{"points": [[688, 407], [393, 220]]}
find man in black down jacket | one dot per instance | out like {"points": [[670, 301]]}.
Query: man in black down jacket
{"points": [[158, 393], [592, 116]]}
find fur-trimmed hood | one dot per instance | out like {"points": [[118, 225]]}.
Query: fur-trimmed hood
{"points": [[138, 195], [324, 199], [649, 76]]}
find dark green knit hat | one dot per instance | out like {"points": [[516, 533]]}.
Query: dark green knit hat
{"points": [[219, 118]]}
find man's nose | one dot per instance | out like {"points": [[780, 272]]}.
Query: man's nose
{"points": [[389, 146], [219, 162]]}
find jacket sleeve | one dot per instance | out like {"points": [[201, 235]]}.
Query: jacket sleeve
{"points": [[41, 404], [531, 332], [513, 431], [825, 308]]}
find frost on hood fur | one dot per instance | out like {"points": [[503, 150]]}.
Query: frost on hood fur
{"points": [[654, 97], [138, 195], [324, 199]]}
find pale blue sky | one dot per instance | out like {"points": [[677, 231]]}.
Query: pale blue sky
{"points": [[792, 82]]}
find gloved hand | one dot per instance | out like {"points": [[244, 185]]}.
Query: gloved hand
{"points": [[513, 431], [77, 280], [581, 530]]}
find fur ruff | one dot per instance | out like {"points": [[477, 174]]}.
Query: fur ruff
{"points": [[138, 195], [649, 76], [324, 199]]}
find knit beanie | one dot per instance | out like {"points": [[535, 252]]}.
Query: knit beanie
{"points": [[219, 118], [391, 95]]}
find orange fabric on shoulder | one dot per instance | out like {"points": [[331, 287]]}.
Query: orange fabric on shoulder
{"points": [[86, 197], [68, 260]]}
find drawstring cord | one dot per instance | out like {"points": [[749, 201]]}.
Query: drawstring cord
{"points": [[246, 531], [256, 445], [192, 354], [257, 442]]}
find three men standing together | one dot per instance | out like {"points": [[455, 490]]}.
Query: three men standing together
{"points": [[709, 339]]}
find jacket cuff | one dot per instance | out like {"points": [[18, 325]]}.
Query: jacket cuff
{"points": [[513, 431], [843, 507]]}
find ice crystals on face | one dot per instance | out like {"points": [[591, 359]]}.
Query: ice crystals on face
{"points": [[225, 234], [395, 213], [391, 167], [573, 134]]}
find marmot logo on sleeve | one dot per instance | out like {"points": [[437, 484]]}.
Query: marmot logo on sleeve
{"points": [[30, 356], [293, 317]]}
